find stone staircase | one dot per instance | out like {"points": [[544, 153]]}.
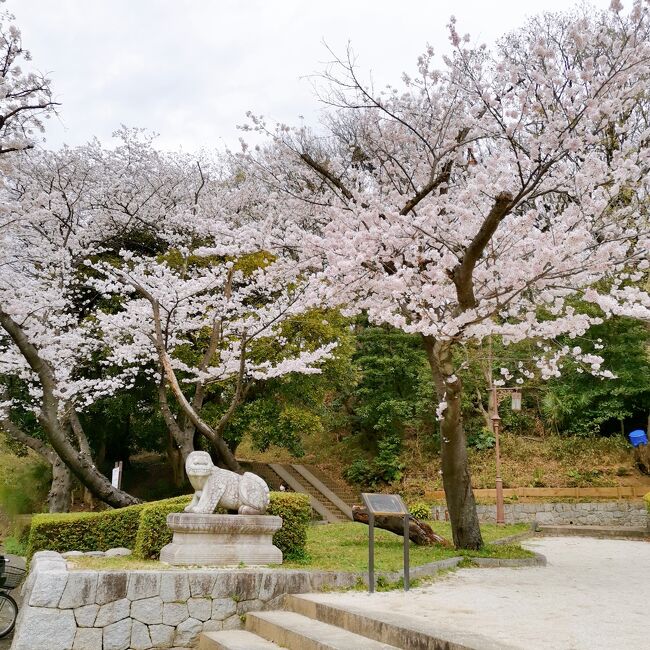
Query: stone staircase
{"points": [[331, 500], [307, 622], [296, 627]]}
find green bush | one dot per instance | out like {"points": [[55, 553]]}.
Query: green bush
{"points": [[84, 531], [295, 511], [647, 502], [153, 533], [143, 528], [420, 510]]}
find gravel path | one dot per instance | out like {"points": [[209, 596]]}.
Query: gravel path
{"points": [[594, 594]]}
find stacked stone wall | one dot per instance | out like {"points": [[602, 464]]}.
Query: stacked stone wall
{"points": [[623, 513], [118, 610]]}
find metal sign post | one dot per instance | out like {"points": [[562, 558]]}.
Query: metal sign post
{"points": [[385, 505]]}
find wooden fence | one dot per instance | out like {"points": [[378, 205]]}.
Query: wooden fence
{"points": [[620, 492]]}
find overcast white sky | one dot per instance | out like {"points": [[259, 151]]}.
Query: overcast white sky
{"points": [[190, 69]]}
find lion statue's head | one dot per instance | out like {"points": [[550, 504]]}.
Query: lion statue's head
{"points": [[198, 467]]}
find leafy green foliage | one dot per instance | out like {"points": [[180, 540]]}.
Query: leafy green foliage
{"points": [[580, 404], [143, 527], [84, 531], [394, 396], [483, 440], [386, 467], [26, 491], [152, 533], [295, 511], [420, 510], [395, 390], [284, 411]]}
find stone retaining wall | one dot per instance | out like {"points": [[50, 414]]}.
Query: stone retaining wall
{"points": [[623, 513], [118, 610]]}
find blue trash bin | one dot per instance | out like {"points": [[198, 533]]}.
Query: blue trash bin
{"points": [[638, 437]]}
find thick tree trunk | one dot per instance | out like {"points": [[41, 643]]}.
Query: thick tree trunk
{"points": [[60, 495], [455, 466], [84, 469], [227, 457], [177, 455], [419, 532]]}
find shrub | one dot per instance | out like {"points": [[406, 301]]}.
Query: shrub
{"points": [[484, 439], [420, 510], [153, 533], [295, 511], [143, 528], [84, 531], [385, 468], [647, 502]]}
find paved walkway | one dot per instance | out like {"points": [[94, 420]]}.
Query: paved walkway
{"points": [[594, 594]]}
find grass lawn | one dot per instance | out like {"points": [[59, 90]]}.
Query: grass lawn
{"points": [[344, 547]]}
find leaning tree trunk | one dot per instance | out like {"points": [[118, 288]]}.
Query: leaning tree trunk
{"points": [[453, 447], [226, 456], [79, 463], [420, 533], [177, 455], [60, 495]]}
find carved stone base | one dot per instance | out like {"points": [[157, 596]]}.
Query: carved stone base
{"points": [[221, 540]]}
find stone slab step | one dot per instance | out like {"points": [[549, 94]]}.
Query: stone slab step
{"points": [[618, 532], [298, 632], [235, 640], [400, 630]]}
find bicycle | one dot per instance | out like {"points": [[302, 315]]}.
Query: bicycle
{"points": [[10, 577]]}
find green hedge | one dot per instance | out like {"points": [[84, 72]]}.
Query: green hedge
{"points": [[84, 531], [153, 533], [295, 511], [143, 527]]}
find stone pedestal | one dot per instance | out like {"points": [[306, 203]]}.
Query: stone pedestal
{"points": [[221, 540]]}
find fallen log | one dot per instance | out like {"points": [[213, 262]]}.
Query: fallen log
{"points": [[419, 532]]}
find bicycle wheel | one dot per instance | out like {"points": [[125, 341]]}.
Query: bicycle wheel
{"points": [[8, 614]]}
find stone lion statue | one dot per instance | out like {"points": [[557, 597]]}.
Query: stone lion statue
{"points": [[247, 493]]}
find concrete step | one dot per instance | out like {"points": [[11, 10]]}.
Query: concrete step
{"points": [[298, 632], [234, 640]]}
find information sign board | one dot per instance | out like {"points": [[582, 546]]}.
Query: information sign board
{"points": [[382, 505]]}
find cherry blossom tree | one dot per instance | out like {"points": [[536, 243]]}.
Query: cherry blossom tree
{"points": [[25, 97], [55, 216], [126, 262], [206, 318], [490, 197]]}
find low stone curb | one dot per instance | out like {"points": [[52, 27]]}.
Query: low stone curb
{"points": [[537, 560], [518, 537], [602, 532]]}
